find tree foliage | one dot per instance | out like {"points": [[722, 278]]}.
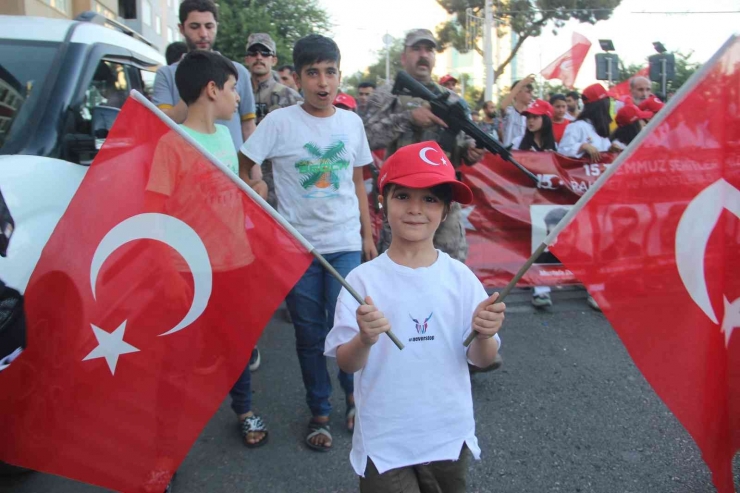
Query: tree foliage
{"points": [[285, 22], [473, 94], [376, 72], [526, 18]]}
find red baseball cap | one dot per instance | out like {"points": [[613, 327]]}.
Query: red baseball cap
{"points": [[630, 113], [652, 104], [539, 107], [445, 79], [346, 100], [593, 93], [423, 165]]}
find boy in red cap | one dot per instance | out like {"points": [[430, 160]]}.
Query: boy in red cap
{"points": [[414, 422], [652, 104], [344, 101], [630, 120]]}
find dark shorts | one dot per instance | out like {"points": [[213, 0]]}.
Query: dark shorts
{"points": [[444, 476]]}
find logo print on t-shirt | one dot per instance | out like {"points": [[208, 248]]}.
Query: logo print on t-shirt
{"points": [[421, 328], [320, 172]]}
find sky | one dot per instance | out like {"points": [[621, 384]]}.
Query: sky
{"points": [[359, 28]]}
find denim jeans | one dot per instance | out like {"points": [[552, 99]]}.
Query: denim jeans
{"points": [[241, 393], [311, 303]]}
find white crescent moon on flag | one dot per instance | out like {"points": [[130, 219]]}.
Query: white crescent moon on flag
{"points": [[692, 235], [423, 156], [173, 232]]}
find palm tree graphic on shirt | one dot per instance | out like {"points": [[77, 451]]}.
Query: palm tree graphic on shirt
{"points": [[320, 171]]}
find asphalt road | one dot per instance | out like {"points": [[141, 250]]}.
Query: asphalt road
{"points": [[567, 412]]}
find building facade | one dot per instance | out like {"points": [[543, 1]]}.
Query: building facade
{"points": [[156, 20]]}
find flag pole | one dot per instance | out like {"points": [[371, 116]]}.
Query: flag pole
{"points": [[644, 134], [259, 200]]}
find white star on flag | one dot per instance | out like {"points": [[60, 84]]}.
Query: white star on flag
{"points": [[110, 346], [465, 211]]}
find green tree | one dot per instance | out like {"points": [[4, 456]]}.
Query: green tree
{"points": [[376, 72], [685, 68], [525, 18], [285, 22], [473, 93]]}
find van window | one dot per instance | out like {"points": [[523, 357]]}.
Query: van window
{"points": [[21, 83]]}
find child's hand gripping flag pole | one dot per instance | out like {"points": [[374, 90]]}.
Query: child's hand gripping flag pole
{"points": [[656, 242]]}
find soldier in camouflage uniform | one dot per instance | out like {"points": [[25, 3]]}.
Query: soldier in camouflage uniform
{"points": [[394, 121], [269, 94]]}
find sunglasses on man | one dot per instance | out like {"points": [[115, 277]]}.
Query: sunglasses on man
{"points": [[264, 53]]}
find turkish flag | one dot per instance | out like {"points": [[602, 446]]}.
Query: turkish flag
{"points": [[666, 236], [622, 90], [142, 311], [567, 65]]}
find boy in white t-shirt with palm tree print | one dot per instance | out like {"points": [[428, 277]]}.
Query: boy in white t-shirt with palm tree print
{"points": [[414, 428], [317, 153]]}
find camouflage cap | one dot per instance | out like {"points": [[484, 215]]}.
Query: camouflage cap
{"points": [[418, 35], [263, 39]]}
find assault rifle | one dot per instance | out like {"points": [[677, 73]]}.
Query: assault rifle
{"points": [[456, 118]]}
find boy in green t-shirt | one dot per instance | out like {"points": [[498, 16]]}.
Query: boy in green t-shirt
{"points": [[206, 82]]}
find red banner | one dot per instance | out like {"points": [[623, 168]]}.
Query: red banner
{"points": [[510, 214]]}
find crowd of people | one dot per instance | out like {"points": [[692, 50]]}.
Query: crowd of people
{"points": [[299, 142], [576, 125]]}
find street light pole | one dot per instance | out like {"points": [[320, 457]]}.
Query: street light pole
{"points": [[388, 40], [663, 77], [488, 48]]}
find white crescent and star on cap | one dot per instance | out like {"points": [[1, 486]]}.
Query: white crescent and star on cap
{"points": [[692, 235], [176, 234], [423, 155]]}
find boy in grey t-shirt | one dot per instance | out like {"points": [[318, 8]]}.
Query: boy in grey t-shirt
{"points": [[199, 30]]}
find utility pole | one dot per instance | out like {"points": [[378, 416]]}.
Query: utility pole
{"points": [[488, 48], [388, 40]]}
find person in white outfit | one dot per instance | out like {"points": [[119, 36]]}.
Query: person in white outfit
{"points": [[415, 427], [589, 134]]}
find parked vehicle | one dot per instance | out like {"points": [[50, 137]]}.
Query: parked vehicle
{"points": [[62, 84]]}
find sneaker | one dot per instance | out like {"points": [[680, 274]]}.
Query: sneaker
{"points": [[592, 303], [542, 300], [255, 360]]}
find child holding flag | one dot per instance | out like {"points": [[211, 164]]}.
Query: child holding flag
{"points": [[414, 426]]}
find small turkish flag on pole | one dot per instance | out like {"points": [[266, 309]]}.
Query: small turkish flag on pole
{"points": [[142, 310], [567, 65], [664, 256]]}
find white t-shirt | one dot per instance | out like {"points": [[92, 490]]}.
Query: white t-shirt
{"points": [[515, 124], [578, 133], [313, 160], [413, 406], [569, 117]]}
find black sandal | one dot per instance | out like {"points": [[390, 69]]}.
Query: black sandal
{"points": [[253, 424], [315, 429]]}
